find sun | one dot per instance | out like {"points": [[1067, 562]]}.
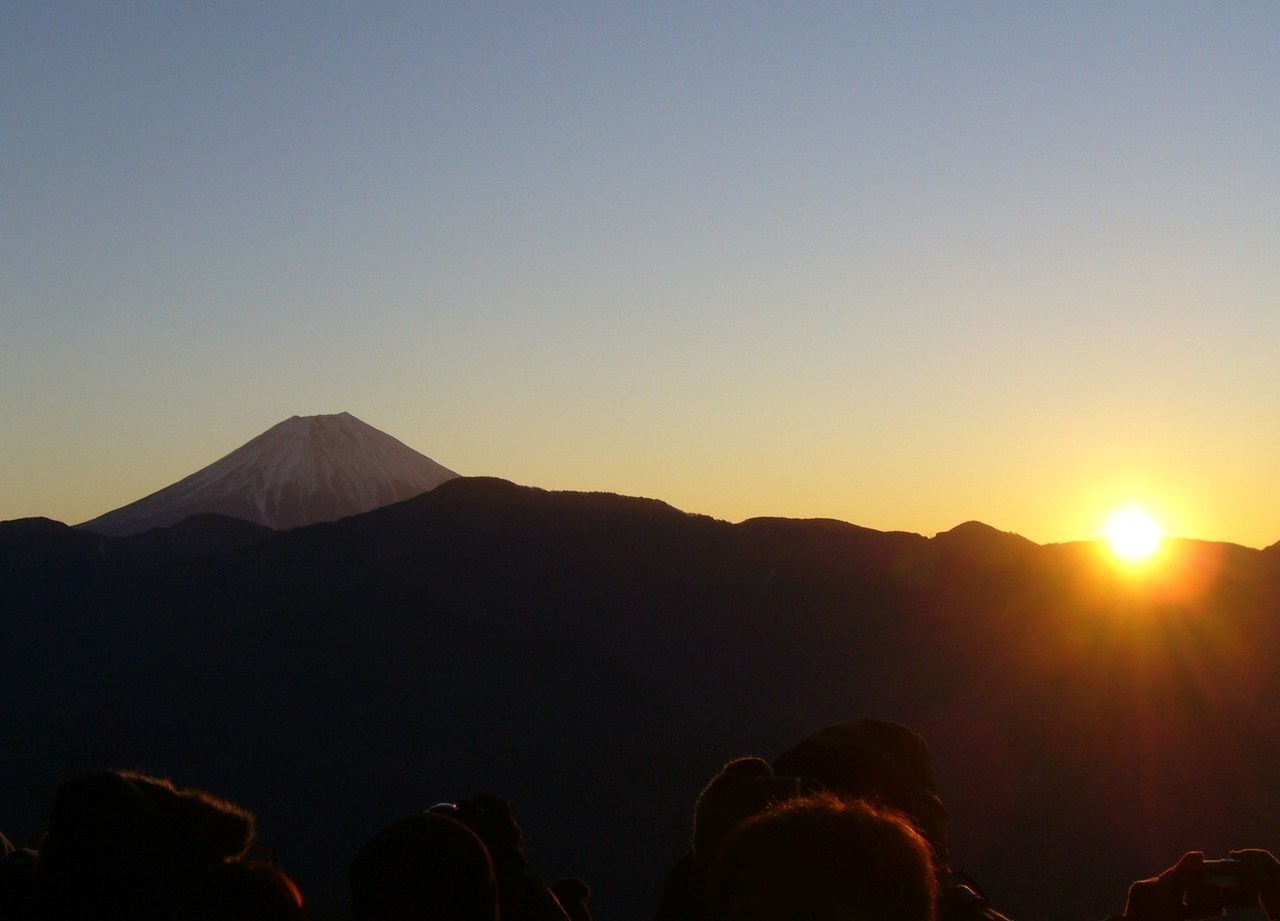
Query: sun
{"points": [[1133, 534]]}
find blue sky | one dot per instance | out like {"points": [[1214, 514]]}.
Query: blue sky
{"points": [[899, 264]]}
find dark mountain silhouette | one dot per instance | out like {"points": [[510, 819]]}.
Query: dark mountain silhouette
{"points": [[304, 470], [596, 658], [976, 541]]}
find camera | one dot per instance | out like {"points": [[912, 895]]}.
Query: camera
{"points": [[1228, 883]]}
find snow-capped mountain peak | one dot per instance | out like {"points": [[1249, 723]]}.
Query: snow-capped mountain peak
{"points": [[303, 470]]}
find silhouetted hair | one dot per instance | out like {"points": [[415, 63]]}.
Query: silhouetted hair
{"points": [[422, 868], [873, 760], [120, 844], [821, 857], [241, 890]]}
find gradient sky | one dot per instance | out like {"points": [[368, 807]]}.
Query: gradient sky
{"points": [[902, 264]]}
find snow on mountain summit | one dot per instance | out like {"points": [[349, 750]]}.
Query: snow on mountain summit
{"points": [[303, 470]]}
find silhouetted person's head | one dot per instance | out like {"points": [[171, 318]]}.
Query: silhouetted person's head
{"points": [[427, 867], [240, 890], [742, 788], [875, 760], [123, 845], [17, 884], [820, 858]]}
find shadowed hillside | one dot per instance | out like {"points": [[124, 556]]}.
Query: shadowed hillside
{"points": [[595, 659]]}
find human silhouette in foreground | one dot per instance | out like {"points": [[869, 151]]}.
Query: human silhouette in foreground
{"points": [[425, 866], [121, 845], [241, 890], [822, 858], [872, 761], [124, 846], [889, 763], [459, 861], [17, 881]]}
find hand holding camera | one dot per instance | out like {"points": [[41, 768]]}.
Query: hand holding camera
{"points": [[1262, 870], [1225, 884], [1198, 888]]}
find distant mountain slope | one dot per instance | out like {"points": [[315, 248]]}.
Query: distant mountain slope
{"points": [[596, 658], [302, 471]]}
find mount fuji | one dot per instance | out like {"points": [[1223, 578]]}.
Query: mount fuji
{"points": [[304, 470]]}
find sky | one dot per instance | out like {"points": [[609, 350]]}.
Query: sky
{"points": [[900, 264]]}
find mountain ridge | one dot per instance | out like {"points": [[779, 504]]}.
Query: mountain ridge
{"points": [[558, 647], [595, 658]]}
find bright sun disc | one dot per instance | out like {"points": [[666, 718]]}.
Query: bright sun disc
{"points": [[1133, 534]]}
